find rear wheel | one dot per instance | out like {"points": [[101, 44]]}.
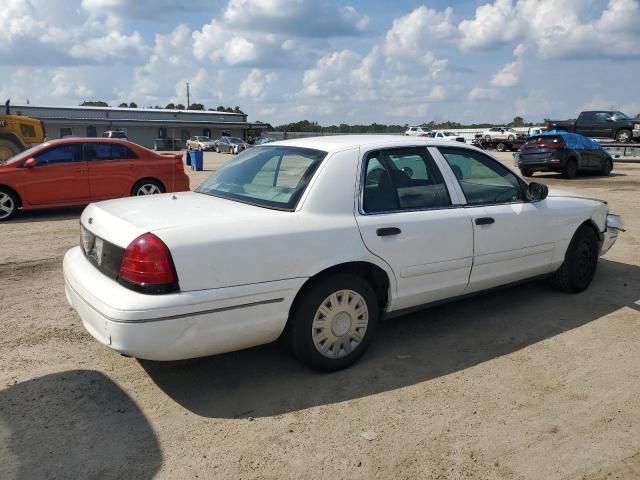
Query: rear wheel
{"points": [[217, 149], [501, 147], [580, 262], [526, 172], [607, 166], [333, 322], [623, 136], [147, 187], [8, 149], [570, 169], [511, 138], [8, 204], [487, 138]]}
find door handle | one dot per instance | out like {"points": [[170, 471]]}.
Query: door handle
{"points": [[385, 232], [484, 221]]}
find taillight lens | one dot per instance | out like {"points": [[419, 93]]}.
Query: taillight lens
{"points": [[179, 165], [147, 266]]}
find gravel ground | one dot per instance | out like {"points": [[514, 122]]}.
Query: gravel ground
{"points": [[522, 383]]}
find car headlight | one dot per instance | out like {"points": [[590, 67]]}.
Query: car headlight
{"points": [[636, 126], [615, 221]]}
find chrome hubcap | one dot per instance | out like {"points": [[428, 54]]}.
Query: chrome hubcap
{"points": [[148, 189], [340, 324], [6, 205]]}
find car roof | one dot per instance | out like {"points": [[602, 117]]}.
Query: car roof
{"points": [[336, 143], [59, 141]]}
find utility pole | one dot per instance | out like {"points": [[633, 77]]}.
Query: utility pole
{"points": [[188, 103]]}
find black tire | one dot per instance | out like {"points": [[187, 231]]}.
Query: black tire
{"points": [[580, 262], [153, 186], [501, 147], [300, 329], [511, 138], [487, 138], [8, 149], [607, 167], [526, 172], [624, 136], [570, 169], [8, 204], [217, 149]]}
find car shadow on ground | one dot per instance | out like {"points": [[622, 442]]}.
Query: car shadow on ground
{"points": [[47, 215], [267, 381], [580, 176], [75, 424]]}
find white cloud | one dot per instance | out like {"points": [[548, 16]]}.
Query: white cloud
{"points": [[493, 24], [555, 28], [416, 33], [507, 76], [255, 84], [113, 47], [482, 94]]}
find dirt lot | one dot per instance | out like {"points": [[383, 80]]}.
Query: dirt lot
{"points": [[521, 383]]}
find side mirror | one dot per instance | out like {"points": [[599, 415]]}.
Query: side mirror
{"points": [[30, 163], [537, 192]]}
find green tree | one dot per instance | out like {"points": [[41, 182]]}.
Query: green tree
{"points": [[236, 109], [123, 105], [170, 106], [220, 108], [133, 105], [196, 106], [517, 122], [179, 106], [94, 103]]}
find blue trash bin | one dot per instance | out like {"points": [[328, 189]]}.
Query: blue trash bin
{"points": [[197, 159]]}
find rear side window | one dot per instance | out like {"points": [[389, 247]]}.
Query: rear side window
{"points": [[108, 151], [403, 179]]}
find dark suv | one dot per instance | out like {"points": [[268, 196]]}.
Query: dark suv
{"points": [[559, 151]]}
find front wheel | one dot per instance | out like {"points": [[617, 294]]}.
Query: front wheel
{"points": [[7, 150], [526, 172], [501, 147], [217, 149], [332, 324], [607, 167], [511, 138], [8, 204], [147, 187], [580, 262]]}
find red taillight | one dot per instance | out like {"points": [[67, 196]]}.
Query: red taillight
{"points": [[179, 164], [147, 266]]}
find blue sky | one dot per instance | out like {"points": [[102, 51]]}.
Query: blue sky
{"points": [[402, 62]]}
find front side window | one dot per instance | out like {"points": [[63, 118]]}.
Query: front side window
{"points": [[483, 180], [403, 179], [107, 151], [273, 177], [59, 155]]}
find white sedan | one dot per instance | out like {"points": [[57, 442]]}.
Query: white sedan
{"points": [[314, 240], [448, 136]]}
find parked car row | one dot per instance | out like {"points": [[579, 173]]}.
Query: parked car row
{"points": [[314, 240], [223, 144]]}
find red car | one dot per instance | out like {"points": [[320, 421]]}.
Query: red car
{"points": [[77, 171]]}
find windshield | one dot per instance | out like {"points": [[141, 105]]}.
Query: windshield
{"points": [[235, 140], [203, 139], [22, 155], [621, 116], [273, 177]]}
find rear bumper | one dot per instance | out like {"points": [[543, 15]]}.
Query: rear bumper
{"points": [[542, 161], [176, 326]]}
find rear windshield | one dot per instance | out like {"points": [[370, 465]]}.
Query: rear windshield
{"points": [[545, 139], [267, 176]]}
